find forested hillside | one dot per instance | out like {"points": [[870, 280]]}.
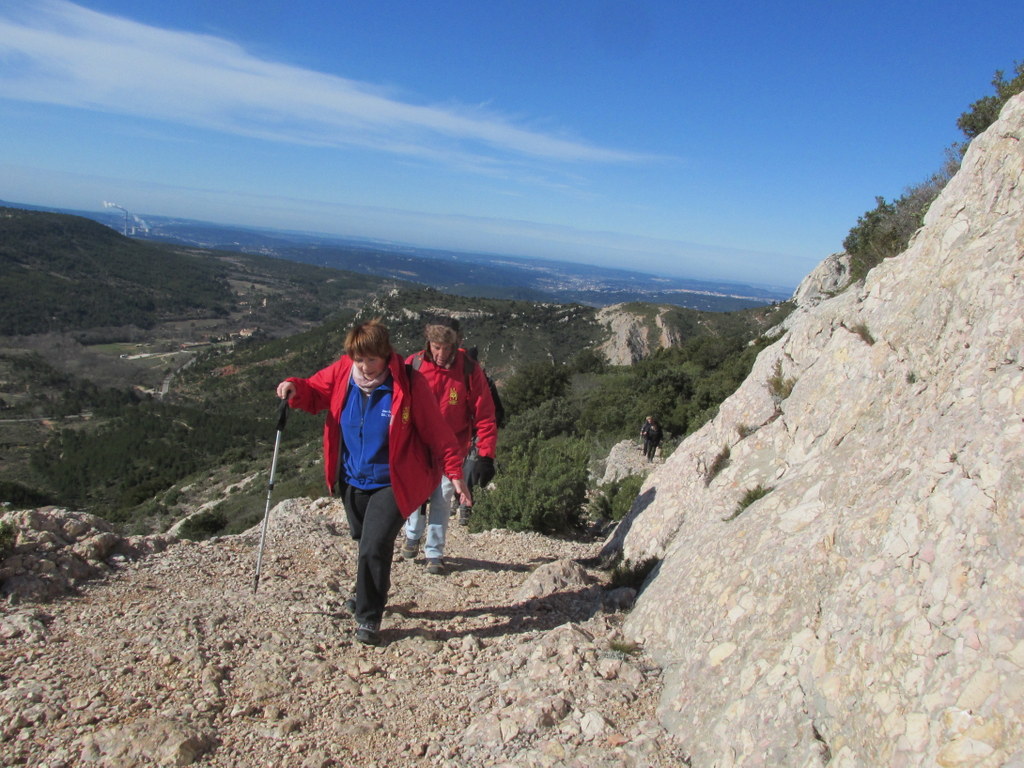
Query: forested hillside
{"points": [[69, 273], [62, 274]]}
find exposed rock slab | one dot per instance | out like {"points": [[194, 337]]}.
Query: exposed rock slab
{"points": [[635, 335], [866, 610], [626, 458]]}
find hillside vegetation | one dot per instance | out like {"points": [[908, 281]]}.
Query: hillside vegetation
{"points": [[69, 273]]}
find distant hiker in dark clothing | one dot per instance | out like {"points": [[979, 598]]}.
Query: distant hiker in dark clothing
{"points": [[386, 446], [650, 432], [461, 390]]}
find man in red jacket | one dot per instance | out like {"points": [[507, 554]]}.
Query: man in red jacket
{"points": [[460, 386]]}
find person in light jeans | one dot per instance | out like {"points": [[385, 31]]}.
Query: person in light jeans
{"points": [[464, 397], [439, 509]]}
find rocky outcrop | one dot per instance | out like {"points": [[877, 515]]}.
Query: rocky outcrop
{"points": [[626, 458], [55, 551], [845, 588], [635, 334], [825, 281]]}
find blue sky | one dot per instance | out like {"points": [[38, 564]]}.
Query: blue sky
{"points": [[736, 141]]}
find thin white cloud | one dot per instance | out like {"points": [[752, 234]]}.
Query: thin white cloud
{"points": [[56, 52]]}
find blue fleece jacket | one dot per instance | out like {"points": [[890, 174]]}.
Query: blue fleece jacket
{"points": [[364, 431]]}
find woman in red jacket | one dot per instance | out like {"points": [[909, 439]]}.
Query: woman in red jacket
{"points": [[386, 446]]}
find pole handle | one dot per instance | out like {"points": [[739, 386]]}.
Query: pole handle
{"points": [[282, 414]]}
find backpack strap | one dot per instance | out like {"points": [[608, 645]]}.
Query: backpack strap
{"points": [[409, 368], [468, 364]]}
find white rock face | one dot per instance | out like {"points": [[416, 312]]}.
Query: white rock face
{"points": [[826, 280], [634, 336], [867, 610], [626, 458]]}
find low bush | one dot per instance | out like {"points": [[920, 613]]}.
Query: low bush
{"points": [[542, 488], [613, 500], [779, 386], [8, 535], [630, 574], [22, 497], [204, 525], [720, 462], [861, 329]]}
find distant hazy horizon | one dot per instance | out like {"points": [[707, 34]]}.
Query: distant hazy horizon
{"points": [[115, 221]]}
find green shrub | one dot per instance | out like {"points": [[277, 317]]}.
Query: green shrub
{"points": [[885, 231], [588, 361], [532, 385], [624, 648], [720, 462], [558, 416], [8, 535], [613, 500], [669, 445], [752, 495], [540, 488], [985, 110], [779, 386], [22, 497], [861, 329], [204, 525], [630, 574]]}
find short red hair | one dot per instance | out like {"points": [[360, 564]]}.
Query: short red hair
{"points": [[370, 339]]}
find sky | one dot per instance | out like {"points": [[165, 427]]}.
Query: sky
{"points": [[734, 141]]}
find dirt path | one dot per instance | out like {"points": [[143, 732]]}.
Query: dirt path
{"points": [[174, 660]]}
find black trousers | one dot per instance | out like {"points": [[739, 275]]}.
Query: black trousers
{"points": [[650, 448], [374, 521]]}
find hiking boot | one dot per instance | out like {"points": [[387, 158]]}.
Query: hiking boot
{"points": [[368, 633], [411, 548], [463, 514], [350, 604], [435, 565]]}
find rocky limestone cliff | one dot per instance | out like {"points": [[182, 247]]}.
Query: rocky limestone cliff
{"points": [[634, 335], [826, 280], [865, 611]]}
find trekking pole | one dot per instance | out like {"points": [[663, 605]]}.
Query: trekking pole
{"points": [[282, 416]]}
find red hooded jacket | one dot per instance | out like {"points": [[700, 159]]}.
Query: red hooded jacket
{"points": [[421, 445]]}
